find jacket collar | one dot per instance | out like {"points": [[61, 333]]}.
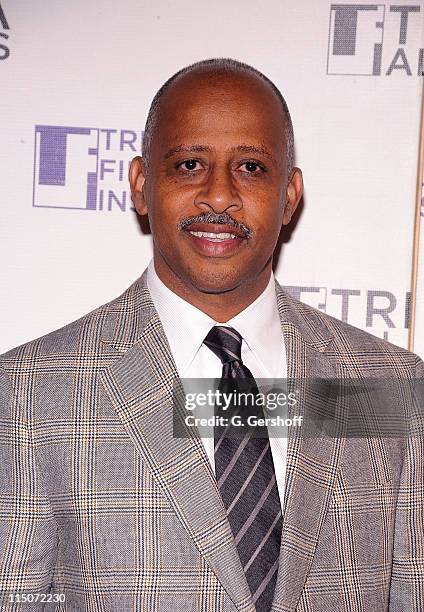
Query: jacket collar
{"points": [[129, 314]]}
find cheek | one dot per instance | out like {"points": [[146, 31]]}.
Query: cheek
{"points": [[172, 201], [266, 218], [173, 187]]}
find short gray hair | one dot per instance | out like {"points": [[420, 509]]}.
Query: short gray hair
{"points": [[218, 65]]}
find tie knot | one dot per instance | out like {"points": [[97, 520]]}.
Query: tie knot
{"points": [[225, 342]]}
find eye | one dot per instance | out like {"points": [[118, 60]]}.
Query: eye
{"points": [[189, 165], [252, 167]]}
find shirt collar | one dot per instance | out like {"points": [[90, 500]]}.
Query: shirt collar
{"points": [[186, 326], [260, 326]]}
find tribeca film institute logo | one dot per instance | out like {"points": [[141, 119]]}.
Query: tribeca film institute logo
{"points": [[83, 168], [375, 39], [4, 49]]}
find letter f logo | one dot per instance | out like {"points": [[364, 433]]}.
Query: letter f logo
{"points": [[356, 39]]}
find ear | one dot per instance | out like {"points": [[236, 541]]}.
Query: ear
{"points": [[293, 195], [137, 178]]}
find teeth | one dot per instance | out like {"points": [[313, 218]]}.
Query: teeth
{"points": [[213, 236]]}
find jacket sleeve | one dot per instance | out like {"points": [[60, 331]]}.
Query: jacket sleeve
{"points": [[407, 584], [28, 532]]}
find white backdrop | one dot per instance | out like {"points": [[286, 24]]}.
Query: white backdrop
{"points": [[69, 239], [419, 324]]}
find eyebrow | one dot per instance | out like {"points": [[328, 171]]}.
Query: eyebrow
{"points": [[197, 148], [187, 149]]}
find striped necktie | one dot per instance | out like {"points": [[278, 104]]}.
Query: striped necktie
{"points": [[246, 480]]}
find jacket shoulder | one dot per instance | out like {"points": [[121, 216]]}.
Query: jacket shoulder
{"points": [[344, 338], [82, 334]]}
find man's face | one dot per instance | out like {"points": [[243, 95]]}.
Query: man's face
{"points": [[216, 188]]}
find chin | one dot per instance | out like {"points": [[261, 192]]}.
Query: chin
{"points": [[216, 281]]}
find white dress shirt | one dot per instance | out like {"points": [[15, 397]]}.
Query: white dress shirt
{"points": [[262, 351]]}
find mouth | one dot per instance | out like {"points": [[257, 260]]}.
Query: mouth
{"points": [[215, 240]]}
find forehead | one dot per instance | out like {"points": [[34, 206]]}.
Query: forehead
{"points": [[223, 106]]}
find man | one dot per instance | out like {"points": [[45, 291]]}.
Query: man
{"points": [[101, 501]]}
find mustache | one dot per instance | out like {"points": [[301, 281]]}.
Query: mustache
{"points": [[217, 219]]}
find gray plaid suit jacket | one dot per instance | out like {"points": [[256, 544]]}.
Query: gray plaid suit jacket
{"points": [[99, 501]]}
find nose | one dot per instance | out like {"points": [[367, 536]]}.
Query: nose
{"points": [[218, 192]]}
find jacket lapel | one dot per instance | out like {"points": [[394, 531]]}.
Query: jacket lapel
{"points": [[312, 456], [142, 385]]}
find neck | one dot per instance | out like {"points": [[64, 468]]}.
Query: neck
{"points": [[222, 306]]}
